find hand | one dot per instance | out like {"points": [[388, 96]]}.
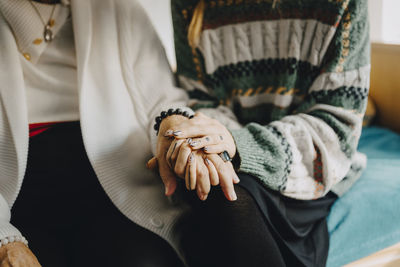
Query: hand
{"points": [[200, 170], [17, 254], [163, 144], [205, 133]]}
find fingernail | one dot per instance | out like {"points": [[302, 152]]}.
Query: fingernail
{"points": [[192, 144], [176, 133], [207, 161], [189, 140], [168, 133], [236, 179], [208, 139], [206, 149], [233, 196]]}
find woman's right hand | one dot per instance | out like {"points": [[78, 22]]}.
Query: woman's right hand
{"points": [[201, 170], [17, 254]]}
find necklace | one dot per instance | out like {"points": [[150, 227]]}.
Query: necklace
{"points": [[47, 33]]}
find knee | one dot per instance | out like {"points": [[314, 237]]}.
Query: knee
{"points": [[219, 208]]}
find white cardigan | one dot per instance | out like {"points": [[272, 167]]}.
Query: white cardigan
{"points": [[124, 81]]}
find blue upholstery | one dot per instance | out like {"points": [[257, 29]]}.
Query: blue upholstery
{"points": [[367, 218]]}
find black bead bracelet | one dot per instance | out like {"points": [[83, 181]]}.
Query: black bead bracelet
{"points": [[170, 112]]}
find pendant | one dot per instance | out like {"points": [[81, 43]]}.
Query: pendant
{"points": [[48, 34]]}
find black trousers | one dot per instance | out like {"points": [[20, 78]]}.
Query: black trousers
{"points": [[67, 217], [69, 221]]}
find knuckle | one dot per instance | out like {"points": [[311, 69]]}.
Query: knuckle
{"points": [[185, 147], [178, 170], [202, 176], [220, 166]]}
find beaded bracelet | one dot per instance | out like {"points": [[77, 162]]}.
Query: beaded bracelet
{"points": [[170, 112]]}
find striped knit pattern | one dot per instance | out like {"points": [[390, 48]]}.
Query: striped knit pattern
{"points": [[295, 74]]}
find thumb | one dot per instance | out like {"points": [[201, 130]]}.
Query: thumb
{"points": [[168, 178], [152, 163]]}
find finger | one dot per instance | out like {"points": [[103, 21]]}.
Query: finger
{"points": [[216, 149], [152, 163], [196, 127], [171, 148], [168, 177], [187, 177], [174, 147], [193, 131], [176, 152], [190, 176], [226, 175], [192, 171], [182, 160], [208, 140], [203, 179], [214, 179]]}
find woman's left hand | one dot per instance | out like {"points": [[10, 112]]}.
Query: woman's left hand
{"points": [[204, 133]]}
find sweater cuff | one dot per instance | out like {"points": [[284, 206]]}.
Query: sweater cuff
{"points": [[11, 239], [263, 154], [247, 149], [9, 234]]}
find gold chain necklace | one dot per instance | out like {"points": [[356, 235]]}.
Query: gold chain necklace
{"points": [[48, 35]]}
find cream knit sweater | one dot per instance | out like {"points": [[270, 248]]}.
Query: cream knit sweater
{"points": [[124, 81]]}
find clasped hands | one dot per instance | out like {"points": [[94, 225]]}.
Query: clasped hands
{"points": [[189, 149]]}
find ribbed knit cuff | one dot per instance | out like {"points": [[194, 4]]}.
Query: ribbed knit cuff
{"points": [[261, 155], [248, 150], [9, 234], [11, 239]]}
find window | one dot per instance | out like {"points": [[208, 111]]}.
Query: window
{"points": [[385, 21]]}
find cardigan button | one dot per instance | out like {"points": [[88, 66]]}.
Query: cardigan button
{"points": [[156, 222], [27, 56]]}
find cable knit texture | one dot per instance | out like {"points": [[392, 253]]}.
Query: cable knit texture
{"points": [[296, 76]]}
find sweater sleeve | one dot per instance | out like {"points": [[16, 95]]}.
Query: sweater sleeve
{"points": [[8, 233], [305, 154], [154, 75]]}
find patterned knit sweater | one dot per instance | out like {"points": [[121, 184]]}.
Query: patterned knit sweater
{"points": [[289, 78]]}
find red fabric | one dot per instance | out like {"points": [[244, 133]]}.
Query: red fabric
{"points": [[38, 128]]}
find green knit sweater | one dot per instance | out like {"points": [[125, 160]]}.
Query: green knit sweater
{"points": [[290, 78]]}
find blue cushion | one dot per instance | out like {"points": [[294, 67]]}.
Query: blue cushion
{"points": [[367, 218]]}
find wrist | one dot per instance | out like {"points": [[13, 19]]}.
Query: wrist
{"points": [[171, 113], [168, 122]]}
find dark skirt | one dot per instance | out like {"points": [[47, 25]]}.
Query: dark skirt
{"points": [[298, 226], [261, 228]]}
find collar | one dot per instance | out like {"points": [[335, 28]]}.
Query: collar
{"points": [[28, 27]]}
